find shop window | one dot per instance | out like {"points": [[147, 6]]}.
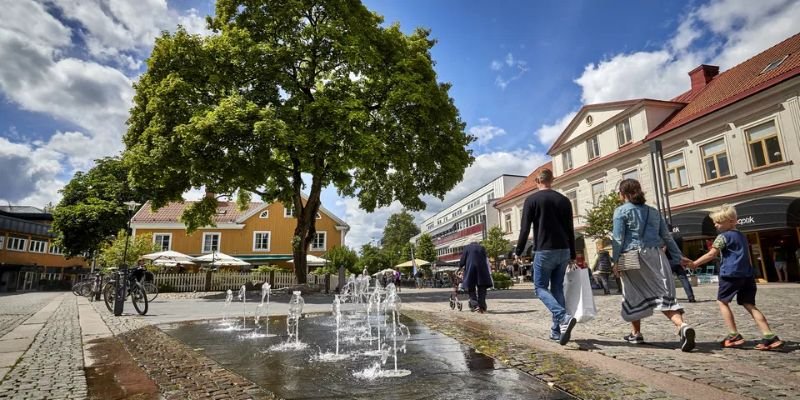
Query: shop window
{"points": [[715, 160], [676, 172], [624, 133], [593, 147], [765, 148]]}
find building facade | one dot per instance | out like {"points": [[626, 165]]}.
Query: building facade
{"points": [[29, 258], [468, 219], [260, 235]]}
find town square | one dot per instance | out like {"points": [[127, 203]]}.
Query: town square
{"points": [[363, 199]]}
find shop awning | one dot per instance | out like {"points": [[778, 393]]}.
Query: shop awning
{"points": [[693, 224], [777, 212]]}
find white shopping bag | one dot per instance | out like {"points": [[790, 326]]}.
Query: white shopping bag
{"points": [[578, 294]]}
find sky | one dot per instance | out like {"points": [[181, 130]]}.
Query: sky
{"points": [[519, 70]]}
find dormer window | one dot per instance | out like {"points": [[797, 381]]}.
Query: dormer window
{"points": [[593, 147], [566, 159], [288, 212], [624, 133]]}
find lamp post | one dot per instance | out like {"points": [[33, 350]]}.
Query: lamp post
{"points": [[122, 280]]}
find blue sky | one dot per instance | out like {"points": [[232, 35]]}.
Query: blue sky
{"points": [[519, 71]]}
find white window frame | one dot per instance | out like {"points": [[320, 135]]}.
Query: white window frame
{"points": [[53, 249], [567, 156], [203, 243], [324, 241], [255, 240], [288, 212], [593, 147], [264, 214], [161, 245], [748, 142], [319, 216], [14, 242], [573, 202], [595, 199], [677, 171], [631, 171], [41, 246], [703, 158], [625, 134]]}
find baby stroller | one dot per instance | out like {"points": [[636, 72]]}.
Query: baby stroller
{"points": [[457, 279]]}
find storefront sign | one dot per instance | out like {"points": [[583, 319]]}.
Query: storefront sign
{"points": [[746, 220]]}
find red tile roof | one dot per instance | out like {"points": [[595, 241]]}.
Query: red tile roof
{"points": [[227, 212], [528, 185], [737, 83]]}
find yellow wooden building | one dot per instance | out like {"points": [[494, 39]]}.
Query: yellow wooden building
{"points": [[28, 255], [261, 234]]}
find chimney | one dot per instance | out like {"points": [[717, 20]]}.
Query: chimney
{"points": [[701, 75]]}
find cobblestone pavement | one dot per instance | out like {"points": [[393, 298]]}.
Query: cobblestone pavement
{"points": [[52, 368], [16, 308], [746, 372]]}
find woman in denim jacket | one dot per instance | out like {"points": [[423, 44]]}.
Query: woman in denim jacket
{"points": [[640, 228]]}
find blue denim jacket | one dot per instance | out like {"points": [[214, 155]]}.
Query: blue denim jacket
{"points": [[628, 226]]}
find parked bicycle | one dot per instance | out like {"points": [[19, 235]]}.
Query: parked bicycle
{"points": [[88, 287], [136, 290], [150, 287]]}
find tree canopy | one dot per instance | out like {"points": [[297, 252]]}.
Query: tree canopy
{"points": [[397, 233], [111, 255], [425, 248], [600, 219], [340, 256], [91, 210], [373, 258], [495, 243], [286, 98]]}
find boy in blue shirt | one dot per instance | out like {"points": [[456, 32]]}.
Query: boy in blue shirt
{"points": [[736, 278]]}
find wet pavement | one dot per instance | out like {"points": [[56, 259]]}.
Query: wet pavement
{"points": [[441, 367]]}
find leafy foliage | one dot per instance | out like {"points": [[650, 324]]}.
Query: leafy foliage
{"points": [[495, 243], [425, 248], [92, 210], [283, 90], [600, 219], [397, 233], [373, 258], [341, 256], [111, 253]]}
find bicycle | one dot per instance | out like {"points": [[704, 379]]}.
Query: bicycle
{"points": [[135, 290], [149, 287]]}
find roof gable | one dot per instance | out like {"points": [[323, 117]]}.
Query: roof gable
{"points": [[600, 113], [737, 83]]}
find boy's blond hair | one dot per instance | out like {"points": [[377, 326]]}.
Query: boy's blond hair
{"points": [[724, 213]]}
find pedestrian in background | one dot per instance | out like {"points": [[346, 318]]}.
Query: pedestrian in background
{"points": [[678, 270], [477, 275], [649, 286], [550, 213], [602, 266]]}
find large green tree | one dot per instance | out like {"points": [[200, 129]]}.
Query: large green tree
{"points": [[112, 253], [425, 248], [397, 233], [373, 258], [600, 219], [286, 98], [496, 244], [341, 257], [91, 210]]}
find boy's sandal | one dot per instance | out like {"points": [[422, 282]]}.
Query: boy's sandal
{"points": [[769, 344]]}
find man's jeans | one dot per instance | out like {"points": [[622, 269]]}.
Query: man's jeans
{"points": [[549, 267], [687, 287]]}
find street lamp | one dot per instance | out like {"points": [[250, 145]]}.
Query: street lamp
{"points": [[122, 280]]}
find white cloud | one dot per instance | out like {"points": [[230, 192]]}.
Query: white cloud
{"points": [[518, 68], [485, 132], [510, 60], [487, 167], [496, 65], [547, 134]]}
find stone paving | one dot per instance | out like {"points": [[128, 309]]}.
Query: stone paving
{"points": [[52, 368], [745, 372], [15, 309]]}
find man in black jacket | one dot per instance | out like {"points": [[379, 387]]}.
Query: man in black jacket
{"points": [[477, 276], [550, 212]]}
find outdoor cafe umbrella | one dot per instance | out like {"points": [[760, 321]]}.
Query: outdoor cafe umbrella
{"points": [[168, 257], [384, 271], [410, 263], [220, 259], [313, 260]]}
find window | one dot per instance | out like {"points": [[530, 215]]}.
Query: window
{"points": [[55, 249], [676, 172], [774, 64], [593, 147], [16, 244], [507, 221], [162, 241], [288, 212], [2, 241], [319, 241], [319, 216], [210, 242], [566, 159], [430, 227], [631, 174], [715, 159], [261, 241], [264, 214], [37, 246], [573, 199], [765, 148], [597, 192], [624, 132]]}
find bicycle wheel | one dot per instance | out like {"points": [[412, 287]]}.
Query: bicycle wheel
{"points": [[139, 298], [109, 294], [152, 291], [85, 290]]}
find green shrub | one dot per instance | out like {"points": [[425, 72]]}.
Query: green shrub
{"points": [[165, 288]]}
